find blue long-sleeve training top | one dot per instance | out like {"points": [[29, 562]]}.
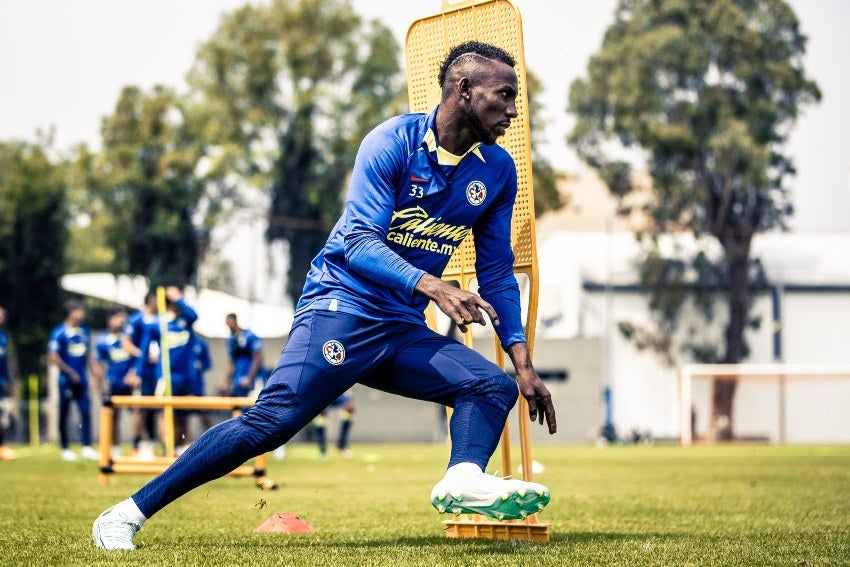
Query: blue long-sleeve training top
{"points": [[410, 204]]}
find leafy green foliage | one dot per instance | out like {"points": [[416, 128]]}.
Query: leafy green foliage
{"points": [[546, 178], [286, 91], [140, 192], [32, 240], [703, 95]]}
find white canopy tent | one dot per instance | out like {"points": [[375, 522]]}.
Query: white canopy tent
{"points": [[265, 319]]}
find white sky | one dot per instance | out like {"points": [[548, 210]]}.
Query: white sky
{"points": [[63, 64]]}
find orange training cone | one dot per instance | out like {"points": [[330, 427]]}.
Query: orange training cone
{"points": [[283, 523]]}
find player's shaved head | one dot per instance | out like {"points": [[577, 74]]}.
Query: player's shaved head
{"points": [[467, 58]]}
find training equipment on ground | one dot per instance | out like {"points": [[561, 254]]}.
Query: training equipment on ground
{"points": [[130, 465], [283, 523], [428, 41]]}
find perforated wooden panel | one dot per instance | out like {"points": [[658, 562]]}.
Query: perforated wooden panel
{"points": [[428, 42]]}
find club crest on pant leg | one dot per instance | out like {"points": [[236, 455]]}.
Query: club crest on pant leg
{"points": [[334, 352]]}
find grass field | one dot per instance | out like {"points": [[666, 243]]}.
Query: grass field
{"points": [[737, 505]]}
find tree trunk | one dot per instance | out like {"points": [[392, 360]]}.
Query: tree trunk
{"points": [[737, 250]]}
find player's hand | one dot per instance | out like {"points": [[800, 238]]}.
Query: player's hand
{"points": [[532, 388], [245, 382], [132, 381], [173, 293], [462, 306], [539, 399], [75, 377]]}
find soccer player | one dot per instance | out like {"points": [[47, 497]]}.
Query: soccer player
{"points": [[246, 359], [203, 363], [145, 419], [420, 183], [345, 403], [116, 362], [6, 453], [70, 349], [180, 317]]}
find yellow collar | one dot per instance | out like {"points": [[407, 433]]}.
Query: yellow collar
{"points": [[445, 157]]}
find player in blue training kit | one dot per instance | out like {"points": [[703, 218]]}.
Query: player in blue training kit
{"points": [[6, 453], [203, 362], [69, 349], [117, 362], [180, 318], [420, 184], [345, 403], [145, 419], [246, 360]]}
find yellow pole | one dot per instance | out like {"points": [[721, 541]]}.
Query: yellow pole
{"points": [[168, 412], [33, 400]]}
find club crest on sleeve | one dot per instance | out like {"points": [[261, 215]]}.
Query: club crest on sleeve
{"points": [[334, 352], [476, 192]]}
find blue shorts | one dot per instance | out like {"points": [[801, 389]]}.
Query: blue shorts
{"points": [[330, 351], [148, 386]]}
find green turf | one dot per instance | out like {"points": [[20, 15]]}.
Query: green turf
{"points": [[742, 505]]}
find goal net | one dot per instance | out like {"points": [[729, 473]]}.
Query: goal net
{"points": [[774, 403]]}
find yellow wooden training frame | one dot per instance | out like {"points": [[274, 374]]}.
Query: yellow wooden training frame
{"points": [[428, 42], [129, 465]]}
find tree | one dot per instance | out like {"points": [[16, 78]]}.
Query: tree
{"points": [[142, 188], [285, 92], [32, 241], [89, 248], [705, 94], [546, 194]]}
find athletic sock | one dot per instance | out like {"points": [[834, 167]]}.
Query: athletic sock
{"points": [[131, 511], [463, 470]]}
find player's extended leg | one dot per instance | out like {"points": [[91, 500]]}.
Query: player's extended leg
{"points": [[439, 369], [307, 379]]}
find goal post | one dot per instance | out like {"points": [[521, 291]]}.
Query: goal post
{"points": [[779, 373]]}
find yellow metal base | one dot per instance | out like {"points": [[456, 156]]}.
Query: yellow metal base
{"points": [[497, 530]]}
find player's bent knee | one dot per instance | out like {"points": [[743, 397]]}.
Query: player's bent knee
{"points": [[500, 389]]}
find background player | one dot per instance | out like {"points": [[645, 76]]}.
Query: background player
{"points": [[420, 182], [203, 363], [145, 370], [180, 317], [116, 362], [246, 369], [70, 349], [6, 387], [345, 403]]}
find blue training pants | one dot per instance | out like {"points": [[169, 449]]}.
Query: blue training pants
{"points": [[76, 393], [327, 353]]}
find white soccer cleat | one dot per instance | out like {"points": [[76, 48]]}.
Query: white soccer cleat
{"points": [[68, 455], [113, 530], [499, 498], [89, 454]]}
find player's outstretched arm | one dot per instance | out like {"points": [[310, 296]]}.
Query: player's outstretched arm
{"points": [[462, 306], [531, 387]]}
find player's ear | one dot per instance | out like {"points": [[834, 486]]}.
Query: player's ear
{"points": [[464, 88]]}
